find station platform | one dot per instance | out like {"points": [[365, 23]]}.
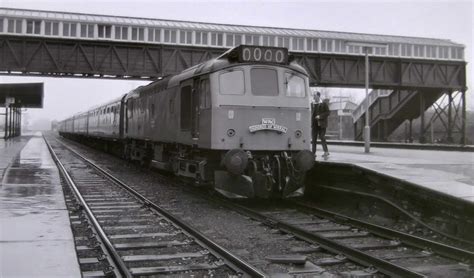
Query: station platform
{"points": [[447, 172], [35, 233]]}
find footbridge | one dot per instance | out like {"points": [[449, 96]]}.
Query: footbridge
{"points": [[418, 71]]}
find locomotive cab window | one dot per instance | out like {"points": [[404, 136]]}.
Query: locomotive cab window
{"points": [[232, 83], [295, 85], [264, 82]]}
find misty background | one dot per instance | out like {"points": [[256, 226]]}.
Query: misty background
{"points": [[63, 97]]}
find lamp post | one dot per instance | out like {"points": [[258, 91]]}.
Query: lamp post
{"points": [[367, 126], [382, 48]]}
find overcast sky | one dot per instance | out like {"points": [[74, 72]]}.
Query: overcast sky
{"points": [[437, 19]]}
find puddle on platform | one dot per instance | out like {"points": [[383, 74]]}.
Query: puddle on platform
{"points": [[31, 182]]}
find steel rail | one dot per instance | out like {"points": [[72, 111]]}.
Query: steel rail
{"points": [[123, 269], [383, 266], [442, 249], [231, 259], [397, 207]]}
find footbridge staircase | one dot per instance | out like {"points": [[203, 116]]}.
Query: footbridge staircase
{"points": [[388, 109]]}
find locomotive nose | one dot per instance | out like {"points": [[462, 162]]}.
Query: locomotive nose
{"points": [[235, 161]]}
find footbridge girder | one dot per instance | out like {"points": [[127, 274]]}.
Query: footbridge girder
{"points": [[43, 56]]}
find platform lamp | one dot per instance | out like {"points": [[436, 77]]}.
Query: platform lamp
{"points": [[366, 48]]}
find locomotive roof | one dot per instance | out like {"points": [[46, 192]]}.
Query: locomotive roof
{"points": [[210, 66]]}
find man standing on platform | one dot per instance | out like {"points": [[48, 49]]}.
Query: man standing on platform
{"points": [[319, 122]]}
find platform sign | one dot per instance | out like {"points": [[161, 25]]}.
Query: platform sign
{"points": [[25, 95]]}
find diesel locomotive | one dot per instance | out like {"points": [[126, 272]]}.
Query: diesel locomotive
{"points": [[239, 123]]}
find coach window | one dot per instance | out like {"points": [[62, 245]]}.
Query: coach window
{"points": [[33, 27], [1, 24], [264, 82], [232, 83], [295, 85], [51, 28]]}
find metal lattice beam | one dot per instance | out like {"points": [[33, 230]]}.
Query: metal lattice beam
{"points": [[105, 59]]}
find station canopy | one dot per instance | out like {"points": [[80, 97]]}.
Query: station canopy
{"points": [[26, 95]]}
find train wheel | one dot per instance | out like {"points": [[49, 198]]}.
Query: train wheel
{"points": [[252, 168], [276, 173]]}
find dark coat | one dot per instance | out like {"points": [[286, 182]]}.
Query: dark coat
{"points": [[321, 110]]}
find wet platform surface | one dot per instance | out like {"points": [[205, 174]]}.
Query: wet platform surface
{"points": [[35, 234], [448, 172]]}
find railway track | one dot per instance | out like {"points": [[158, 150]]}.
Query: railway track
{"points": [[388, 251], [381, 250], [293, 257], [123, 234]]}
